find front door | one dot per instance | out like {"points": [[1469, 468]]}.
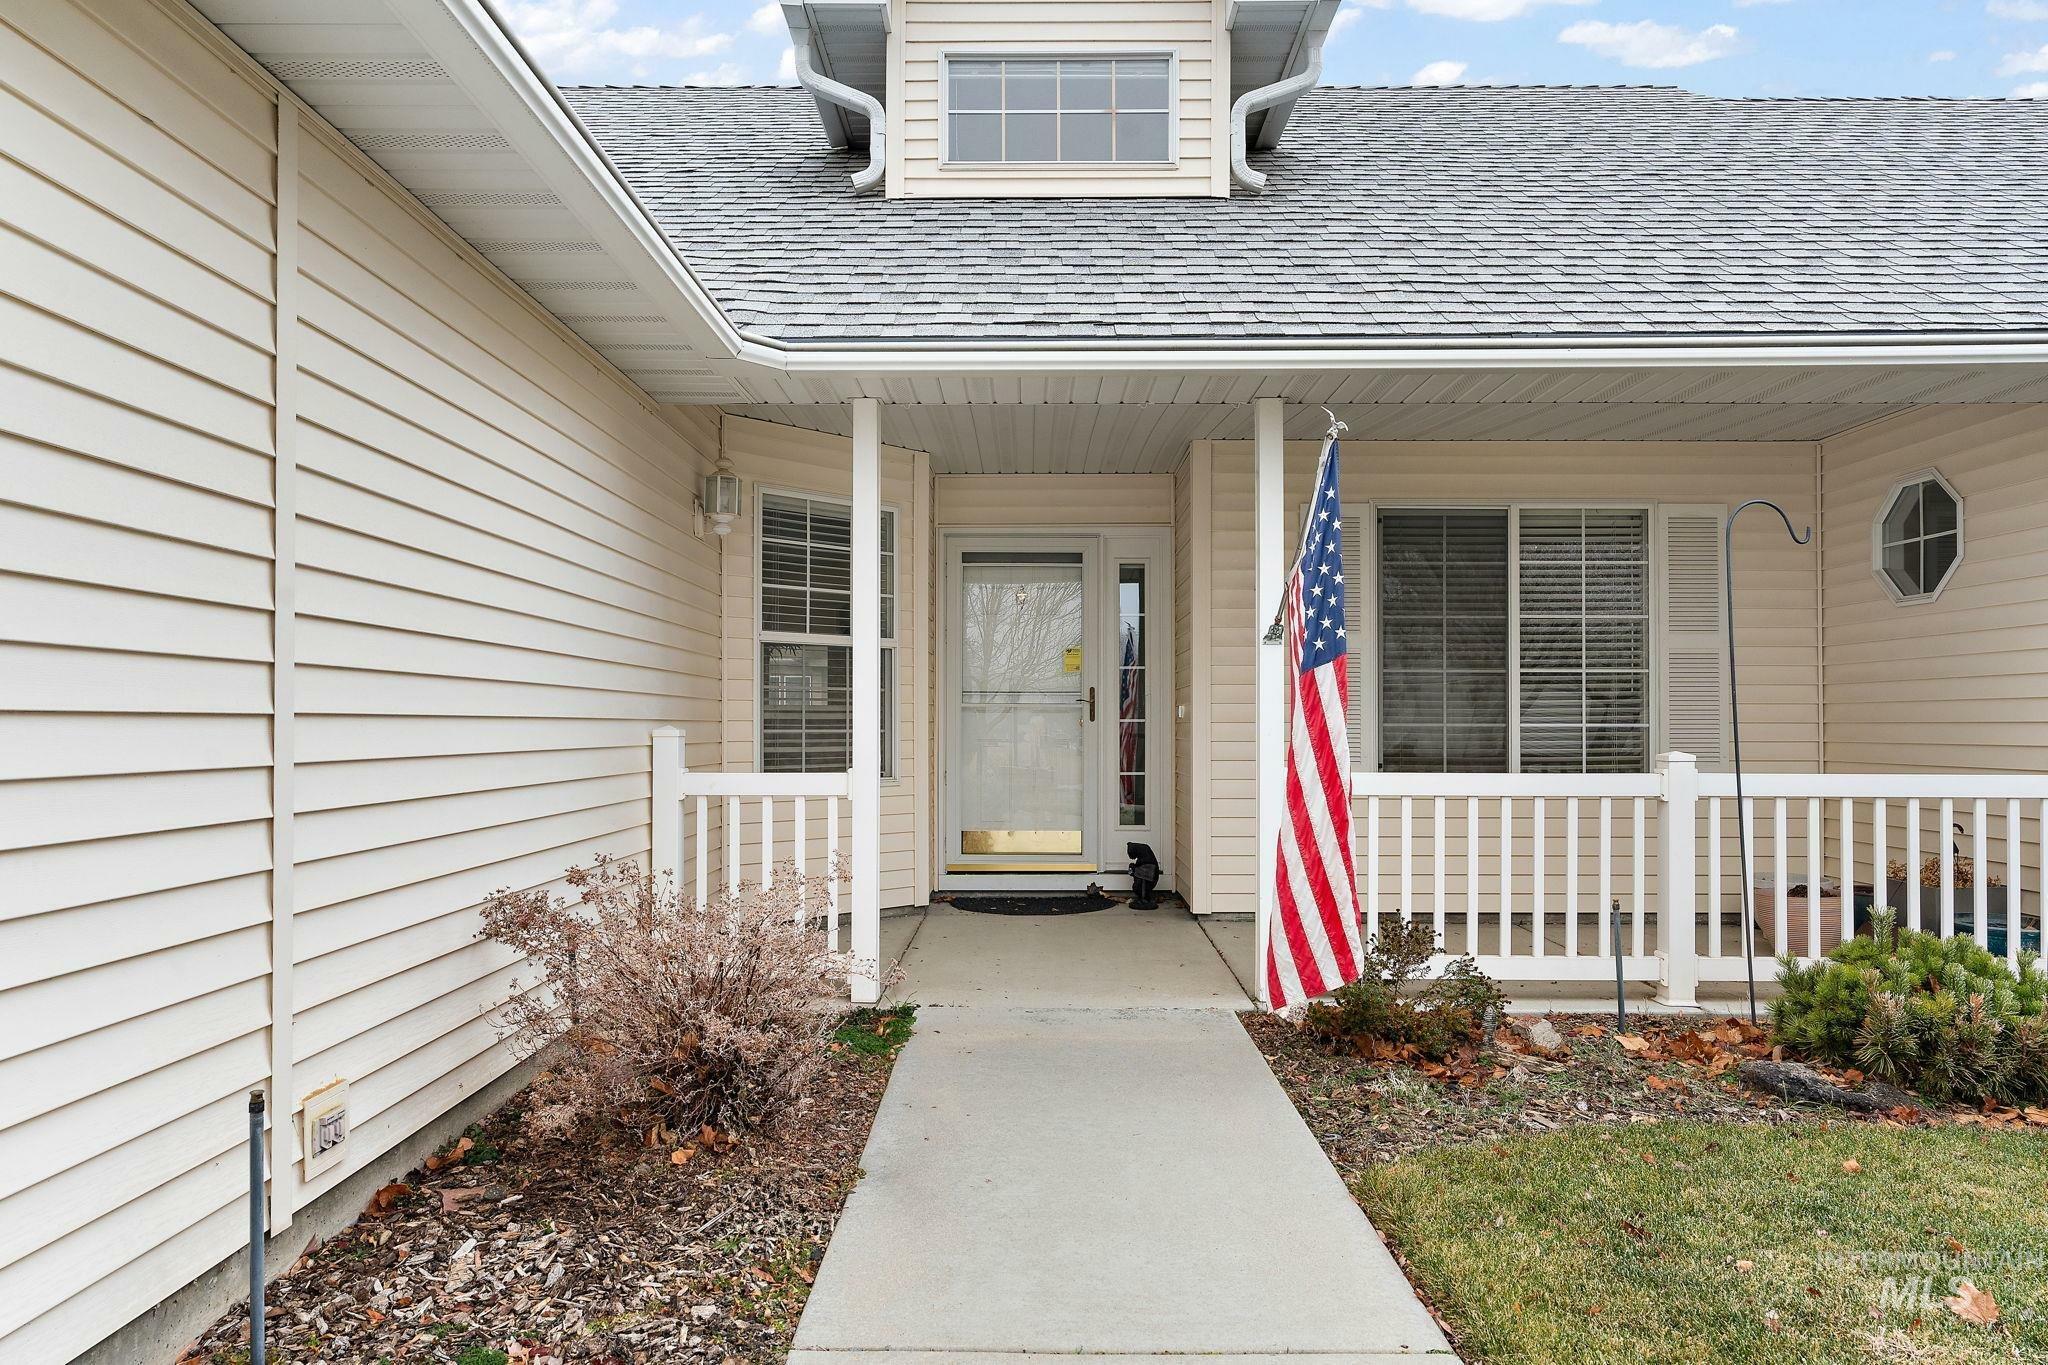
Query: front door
{"points": [[1026, 712], [1054, 754]]}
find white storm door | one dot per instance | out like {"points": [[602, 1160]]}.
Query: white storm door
{"points": [[1022, 758]]}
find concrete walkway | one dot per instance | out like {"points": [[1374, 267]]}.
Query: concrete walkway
{"points": [[1113, 1181]]}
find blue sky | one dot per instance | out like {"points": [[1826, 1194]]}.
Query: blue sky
{"points": [[1723, 47]]}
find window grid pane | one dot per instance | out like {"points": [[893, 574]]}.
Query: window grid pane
{"points": [[1032, 109], [1583, 630], [1919, 540], [1443, 641]]}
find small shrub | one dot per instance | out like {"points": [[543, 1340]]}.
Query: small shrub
{"points": [[1944, 1016], [1395, 1003], [653, 1011]]}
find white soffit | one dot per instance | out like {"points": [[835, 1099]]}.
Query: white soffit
{"points": [[1271, 40], [1108, 424], [430, 106], [848, 40]]}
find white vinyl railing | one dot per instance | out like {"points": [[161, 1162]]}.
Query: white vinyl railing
{"points": [[1534, 875], [763, 821]]}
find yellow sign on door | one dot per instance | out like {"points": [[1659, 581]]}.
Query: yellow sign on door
{"points": [[1073, 661]]}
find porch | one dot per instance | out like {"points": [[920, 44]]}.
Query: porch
{"points": [[1144, 709]]}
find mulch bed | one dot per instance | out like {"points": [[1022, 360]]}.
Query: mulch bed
{"points": [[604, 1251], [1377, 1109]]}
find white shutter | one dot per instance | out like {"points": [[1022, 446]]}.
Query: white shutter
{"points": [[1360, 580], [1692, 643]]}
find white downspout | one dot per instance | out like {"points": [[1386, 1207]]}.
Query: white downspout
{"points": [[1265, 97], [860, 102]]}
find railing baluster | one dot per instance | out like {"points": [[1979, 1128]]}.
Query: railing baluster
{"points": [[1746, 906], [797, 843], [1604, 918], [1912, 892], [1506, 875], [1407, 859], [1781, 870], [1980, 870], [1472, 875], [1571, 876], [767, 843], [703, 852], [2013, 832], [1815, 832], [1848, 817], [1714, 916], [1948, 868], [1537, 947], [732, 844], [1372, 868], [1880, 834], [832, 874], [1437, 888], [1642, 876]]}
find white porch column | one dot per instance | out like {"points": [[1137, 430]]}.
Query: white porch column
{"points": [[1677, 835], [867, 702], [1270, 576], [665, 774]]}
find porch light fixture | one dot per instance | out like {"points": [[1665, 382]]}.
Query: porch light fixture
{"points": [[722, 497]]}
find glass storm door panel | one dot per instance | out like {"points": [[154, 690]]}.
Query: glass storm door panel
{"points": [[1023, 736]]}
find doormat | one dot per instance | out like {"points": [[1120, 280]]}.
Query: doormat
{"points": [[1069, 903]]}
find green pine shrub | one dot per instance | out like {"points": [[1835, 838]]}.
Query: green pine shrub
{"points": [[1943, 1016]]}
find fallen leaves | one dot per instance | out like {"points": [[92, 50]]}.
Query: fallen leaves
{"points": [[1972, 1304], [453, 1199], [386, 1198], [461, 1149]]}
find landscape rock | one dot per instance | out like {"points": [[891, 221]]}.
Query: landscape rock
{"points": [[1543, 1034]]}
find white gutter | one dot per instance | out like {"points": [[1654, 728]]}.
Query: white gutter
{"points": [[1241, 356], [857, 101], [1265, 97]]}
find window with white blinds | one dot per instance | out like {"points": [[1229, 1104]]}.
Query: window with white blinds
{"points": [[1514, 640], [806, 560]]}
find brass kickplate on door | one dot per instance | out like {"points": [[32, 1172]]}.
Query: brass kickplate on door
{"points": [[1022, 867], [1020, 841]]}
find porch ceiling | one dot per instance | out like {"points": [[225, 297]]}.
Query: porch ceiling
{"points": [[1123, 424]]}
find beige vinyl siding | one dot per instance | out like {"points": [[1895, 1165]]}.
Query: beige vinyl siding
{"points": [[792, 460], [1052, 500], [500, 594], [136, 316], [1777, 587], [1958, 684], [497, 595], [1183, 870], [1190, 29]]}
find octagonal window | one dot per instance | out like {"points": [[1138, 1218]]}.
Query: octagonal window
{"points": [[1919, 537]]}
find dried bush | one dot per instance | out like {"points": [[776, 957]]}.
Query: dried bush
{"points": [[653, 1011], [1396, 1004]]}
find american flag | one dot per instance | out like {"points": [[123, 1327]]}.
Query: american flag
{"points": [[1313, 947]]}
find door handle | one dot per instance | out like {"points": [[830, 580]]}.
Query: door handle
{"points": [[1091, 705]]}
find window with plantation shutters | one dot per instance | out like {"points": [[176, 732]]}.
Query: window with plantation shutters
{"points": [[1515, 639]]}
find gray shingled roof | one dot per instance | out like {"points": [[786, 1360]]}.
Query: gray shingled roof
{"points": [[1412, 213]]}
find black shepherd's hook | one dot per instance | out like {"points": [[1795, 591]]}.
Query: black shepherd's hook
{"points": [[1735, 720]]}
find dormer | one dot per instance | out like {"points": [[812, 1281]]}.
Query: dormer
{"points": [[1057, 98]]}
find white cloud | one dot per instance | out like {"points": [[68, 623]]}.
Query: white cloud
{"points": [[2022, 63], [2023, 10], [571, 37], [1439, 73], [767, 19], [1485, 11], [1942, 56], [785, 70], [1651, 45], [725, 73], [1751, 4], [2036, 91], [1351, 11]]}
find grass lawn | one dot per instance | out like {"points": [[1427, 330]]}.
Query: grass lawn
{"points": [[1722, 1243]]}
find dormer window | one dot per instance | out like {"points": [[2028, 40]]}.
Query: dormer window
{"points": [[1059, 109]]}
